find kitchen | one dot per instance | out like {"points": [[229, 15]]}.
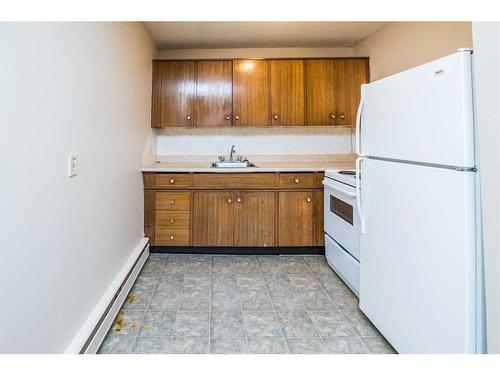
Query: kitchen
{"points": [[272, 203]]}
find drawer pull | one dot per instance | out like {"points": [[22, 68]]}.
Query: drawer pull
{"points": [[188, 117], [342, 116], [172, 221], [296, 180], [172, 180], [333, 116], [172, 236], [229, 200], [172, 202], [238, 200], [308, 199]]}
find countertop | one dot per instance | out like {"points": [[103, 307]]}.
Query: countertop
{"points": [[265, 163]]}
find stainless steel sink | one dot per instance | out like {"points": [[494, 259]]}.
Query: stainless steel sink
{"points": [[237, 162], [233, 164]]}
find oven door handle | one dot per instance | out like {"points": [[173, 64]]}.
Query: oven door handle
{"points": [[348, 193]]}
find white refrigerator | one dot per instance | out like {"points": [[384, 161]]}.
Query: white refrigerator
{"points": [[420, 250]]}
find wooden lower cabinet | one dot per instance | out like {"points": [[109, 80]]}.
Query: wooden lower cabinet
{"points": [[254, 219], [281, 210], [296, 218], [213, 218], [319, 218], [234, 218]]}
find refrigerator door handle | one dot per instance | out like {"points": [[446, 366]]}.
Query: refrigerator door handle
{"points": [[358, 196], [358, 120]]}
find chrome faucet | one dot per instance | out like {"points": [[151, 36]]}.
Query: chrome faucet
{"points": [[233, 150]]}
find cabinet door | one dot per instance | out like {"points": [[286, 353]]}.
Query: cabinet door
{"points": [[213, 218], [214, 90], [356, 72], [320, 92], [251, 92], [295, 212], [254, 218], [350, 74], [177, 93], [287, 92]]}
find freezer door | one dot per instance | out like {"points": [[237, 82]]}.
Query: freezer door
{"points": [[423, 114], [417, 273]]}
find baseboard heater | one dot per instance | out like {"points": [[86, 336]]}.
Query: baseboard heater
{"points": [[97, 336]]}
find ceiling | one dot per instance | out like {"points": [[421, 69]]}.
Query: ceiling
{"points": [[174, 35]]}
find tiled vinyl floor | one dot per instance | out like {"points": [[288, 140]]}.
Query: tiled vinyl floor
{"points": [[241, 304]]}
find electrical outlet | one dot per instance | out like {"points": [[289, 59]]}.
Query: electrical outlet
{"points": [[73, 165]]}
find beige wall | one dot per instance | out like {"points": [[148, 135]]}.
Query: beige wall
{"points": [[402, 45], [227, 53], [487, 94], [68, 88]]}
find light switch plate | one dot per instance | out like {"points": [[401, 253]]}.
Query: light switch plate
{"points": [[73, 165]]}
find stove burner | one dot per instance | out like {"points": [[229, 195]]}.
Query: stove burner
{"points": [[349, 173]]}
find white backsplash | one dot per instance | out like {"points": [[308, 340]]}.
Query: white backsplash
{"points": [[255, 141]]}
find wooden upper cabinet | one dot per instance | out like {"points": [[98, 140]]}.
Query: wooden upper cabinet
{"points": [[251, 92], [296, 218], [156, 95], [333, 90], [287, 92], [356, 73], [214, 93], [320, 93], [177, 93], [254, 218], [257, 92], [213, 218]]}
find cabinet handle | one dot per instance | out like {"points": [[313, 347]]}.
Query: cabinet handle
{"points": [[238, 200], [333, 116], [172, 180], [296, 180], [227, 117], [308, 199], [172, 236], [229, 200], [172, 202], [172, 221], [276, 116], [188, 117], [342, 116], [236, 117]]}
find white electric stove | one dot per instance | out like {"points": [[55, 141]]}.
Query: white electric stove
{"points": [[342, 226]]}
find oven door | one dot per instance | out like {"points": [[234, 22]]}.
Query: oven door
{"points": [[341, 215]]}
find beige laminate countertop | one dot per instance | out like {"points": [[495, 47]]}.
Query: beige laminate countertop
{"points": [[265, 163]]}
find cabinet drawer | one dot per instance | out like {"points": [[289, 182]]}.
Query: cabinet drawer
{"points": [[172, 219], [296, 180], [172, 201], [173, 180], [171, 236], [234, 180]]}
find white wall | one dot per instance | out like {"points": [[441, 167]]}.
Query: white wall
{"points": [[403, 45], [255, 141], [68, 87], [487, 92]]}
